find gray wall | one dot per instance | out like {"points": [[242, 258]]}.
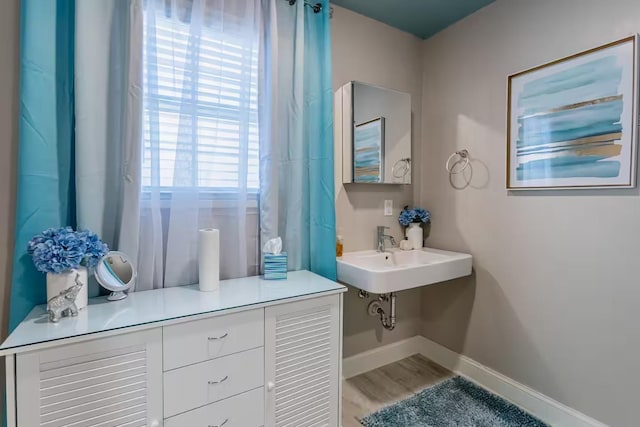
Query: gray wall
{"points": [[371, 52], [9, 28], [555, 296]]}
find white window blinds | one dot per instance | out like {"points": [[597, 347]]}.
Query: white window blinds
{"points": [[200, 104]]}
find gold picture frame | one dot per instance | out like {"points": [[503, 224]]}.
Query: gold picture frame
{"points": [[572, 123]]}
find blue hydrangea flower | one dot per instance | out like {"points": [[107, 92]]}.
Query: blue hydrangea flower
{"points": [[422, 215], [407, 216], [57, 250], [95, 248]]}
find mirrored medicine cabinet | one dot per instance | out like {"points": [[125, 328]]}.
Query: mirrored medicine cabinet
{"points": [[373, 134]]}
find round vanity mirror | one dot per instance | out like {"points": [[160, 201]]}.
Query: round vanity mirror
{"points": [[116, 273]]}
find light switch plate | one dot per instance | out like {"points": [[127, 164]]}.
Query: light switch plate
{"points": [[388, 207]]}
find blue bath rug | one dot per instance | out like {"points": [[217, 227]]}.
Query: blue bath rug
{"points": [[455, 402]]}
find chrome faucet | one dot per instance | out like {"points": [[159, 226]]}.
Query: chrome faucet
{"points": [[382, 237]]}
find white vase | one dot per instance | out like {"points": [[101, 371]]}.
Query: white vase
{"points": [[414, 235], [58, 282]]}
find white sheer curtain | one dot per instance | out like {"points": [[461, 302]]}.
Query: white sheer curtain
{"points": [[200, 141], [108, 102]]}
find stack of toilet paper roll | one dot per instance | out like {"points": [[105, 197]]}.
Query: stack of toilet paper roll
{"points": [[209, 259]]}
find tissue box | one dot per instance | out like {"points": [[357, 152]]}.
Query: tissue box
{"points": [[275, 266]]}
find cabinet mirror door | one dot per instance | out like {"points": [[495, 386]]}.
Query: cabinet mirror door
{"points": [[375, 134]]}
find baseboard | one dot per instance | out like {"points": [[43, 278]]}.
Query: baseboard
{"points": [[373, 359], [536, 403]]}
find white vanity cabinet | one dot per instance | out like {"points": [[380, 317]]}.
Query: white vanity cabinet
{"points": [[256, 354]]}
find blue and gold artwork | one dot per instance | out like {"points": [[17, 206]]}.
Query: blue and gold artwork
{"points": [[368, 149], [571, 123]]}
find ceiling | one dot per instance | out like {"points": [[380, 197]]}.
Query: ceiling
{"points": [[422, 18]]}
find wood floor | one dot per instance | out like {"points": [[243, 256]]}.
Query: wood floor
{"points": [[373, 390]]}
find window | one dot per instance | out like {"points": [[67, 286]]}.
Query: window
{"points": [[200, 107]]}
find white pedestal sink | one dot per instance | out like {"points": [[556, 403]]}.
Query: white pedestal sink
{"points": [[397, 270]]}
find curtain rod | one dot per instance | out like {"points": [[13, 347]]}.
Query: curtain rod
{"points": [[317, 7]]}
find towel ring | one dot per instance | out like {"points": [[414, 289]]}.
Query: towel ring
{"points": [[460, 156], [401, 168]]}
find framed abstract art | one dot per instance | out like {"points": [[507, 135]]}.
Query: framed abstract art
{"points": [[572, 123], [368, 151]]}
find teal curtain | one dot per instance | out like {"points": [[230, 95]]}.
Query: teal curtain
{"points": [[318, 134], [296, 139], [45, 152]]}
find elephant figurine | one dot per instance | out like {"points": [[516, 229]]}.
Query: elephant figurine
{"points": [[64, 304]]}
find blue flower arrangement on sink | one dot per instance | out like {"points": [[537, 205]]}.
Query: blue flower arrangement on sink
{"points": [[414, 215], [413, 219], [63, 253]]}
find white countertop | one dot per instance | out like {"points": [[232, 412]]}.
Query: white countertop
{"points": [[143, 310]]}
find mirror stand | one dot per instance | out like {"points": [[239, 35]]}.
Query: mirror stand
{"points": [[116, 296]]}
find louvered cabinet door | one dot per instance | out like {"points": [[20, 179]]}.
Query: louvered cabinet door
{"points": [[302, 363], [107, 382]]}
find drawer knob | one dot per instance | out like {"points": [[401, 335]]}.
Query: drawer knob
{"points": [[219, 425], [270, 386], [218, 382], [221, 337]]}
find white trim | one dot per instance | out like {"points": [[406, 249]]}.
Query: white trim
{"points": [[380, 356], [10, 390], [532, 401]]}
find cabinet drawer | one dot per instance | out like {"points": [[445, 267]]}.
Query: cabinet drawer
{"points": [[207, 382], [244, 410], [200, 340]]}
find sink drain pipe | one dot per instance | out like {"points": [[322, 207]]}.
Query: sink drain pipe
{"points": [[375, 308]]}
